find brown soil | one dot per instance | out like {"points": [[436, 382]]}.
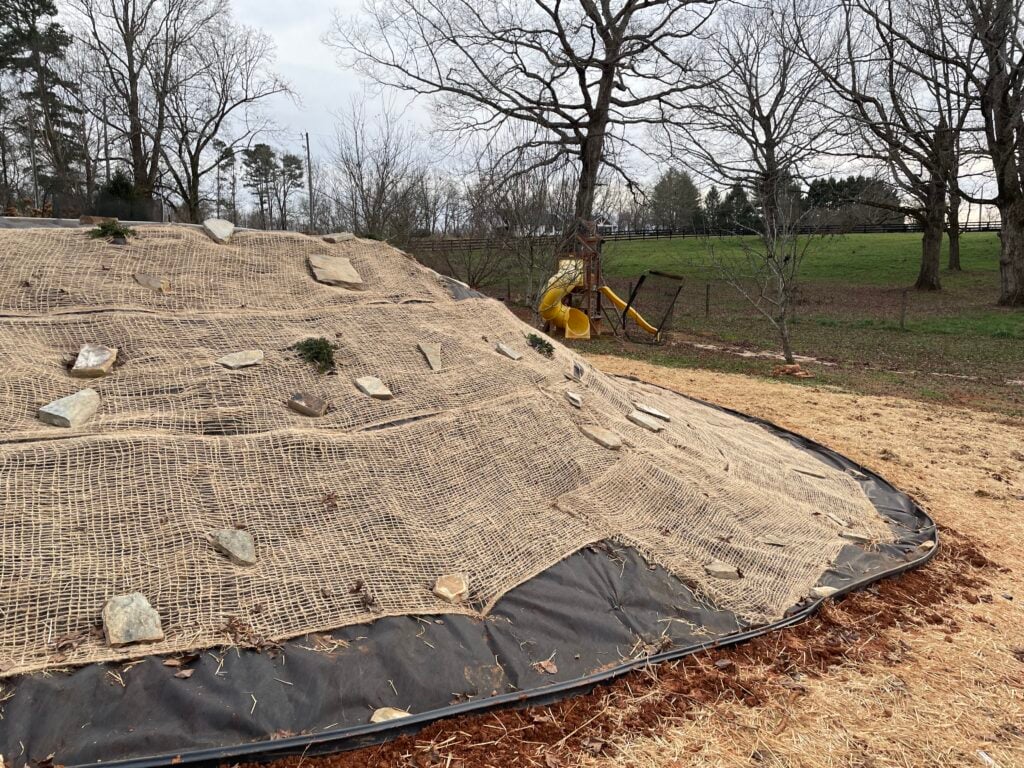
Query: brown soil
{"points": [[924, 669]]}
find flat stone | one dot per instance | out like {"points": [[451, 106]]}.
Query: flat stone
{"points": [[837, 520], [129, 619], [338, 237], [721, 570], [575, 399], [650, 410], [857, 536], [384, 714], [504, 349], [244, 359], [374, 387], [645, 421], [926, 545], [153, 282], [603, 437], [452, 588], [236, 544], [823, 592], [71, 411], [95, 221], [432, 352], [307, 404], [335, 270], [219, 230], [93, 361]]}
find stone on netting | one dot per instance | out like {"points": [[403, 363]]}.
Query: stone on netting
{"points": [[575, 399], [645, 421], [129, 619], [603, 437], [338, 237], [237, 545], [335, 270], [504, 349], [71, 411], [721, 570], [384, 714], [219, 230], [374, 387], [93, 361], [244, 359], [650, 410], [307, 404], [452, 588], [856, 536], [432, 352], [823, 592], [153, 282]]}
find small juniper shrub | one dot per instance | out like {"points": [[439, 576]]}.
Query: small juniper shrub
{"points": [[541, 345], [318, 351], [111, 230]]}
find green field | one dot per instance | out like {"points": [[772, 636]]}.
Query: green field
{"points": [[957, 345]]}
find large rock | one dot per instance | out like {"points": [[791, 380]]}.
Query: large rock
{"points": [[603, 437], [384, 714], [643, 420], [374, 387], [237, 360], [721, 570], [71, 411], [153, 282], [129, 619], [219, 230], [307, 404], [237, 545], [452, 588], [650, 410], [432, 352], [93, 361], [504, 349], [338, 237], [335, 270]]}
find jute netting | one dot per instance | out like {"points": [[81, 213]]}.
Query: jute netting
{"points": [[480, 468]]}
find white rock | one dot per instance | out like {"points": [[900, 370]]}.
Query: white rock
{"points": [[93, 361], [504, 349], [650, 410], [335, 270], [338, 237], [374, 387], [823, 592], [244, 359], [237, 545], [857, 536], [153, 282], [131, 619], [432, 352], [721, 570], [384, 714], [575, 398], [645, 421], [452, 588], [603, 437], [837, 520], [219, 230], [930, 544], [71, 411]]}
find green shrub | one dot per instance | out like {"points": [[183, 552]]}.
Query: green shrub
{"points": [[541, 345], [318, 351], [108, 230]]}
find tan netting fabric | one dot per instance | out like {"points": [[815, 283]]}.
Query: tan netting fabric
{"points": [[480, 468]]}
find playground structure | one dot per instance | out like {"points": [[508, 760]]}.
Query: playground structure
{"points": [[579, 277]]}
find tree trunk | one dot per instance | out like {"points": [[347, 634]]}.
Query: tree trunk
{"points": [[1011, 255], [931, 255], [953, 230]]}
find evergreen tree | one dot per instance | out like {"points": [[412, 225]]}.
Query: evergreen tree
{"points": [[675, 201], [260, 170]]}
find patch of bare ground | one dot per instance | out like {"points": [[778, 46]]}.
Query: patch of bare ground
{"points": [[926, 669]]}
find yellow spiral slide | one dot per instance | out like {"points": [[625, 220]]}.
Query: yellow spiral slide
{"points": [[575, 323]]}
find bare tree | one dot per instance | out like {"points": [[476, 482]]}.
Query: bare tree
{"points": [[579, 72]]}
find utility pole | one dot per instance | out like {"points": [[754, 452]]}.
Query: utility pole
{"points": [[309, 181]]}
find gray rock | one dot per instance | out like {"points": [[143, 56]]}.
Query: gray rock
{"points": [[575, 399], [856, 536], [237, 360], [645, 421], [721, 570], [507, 351], [603, 437], [837, 520], [219, 230], [823, 591], [335, 270], [307, 404], [650, 410], [237, 545], [374, 387], [71, 411], [338, 237], [432, 352], [384, 714], [131, 619], [153, 282], [452, 588], [93, 361]]}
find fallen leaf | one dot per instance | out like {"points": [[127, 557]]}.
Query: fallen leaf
{"points": [[546, 666]]}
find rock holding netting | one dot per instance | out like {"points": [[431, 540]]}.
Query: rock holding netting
{"points": [[219, 230], [235, 544], [130, 619], [71, 411], [94, 361]]}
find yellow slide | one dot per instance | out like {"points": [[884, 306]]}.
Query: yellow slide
{"points": [[575, 323], [621, 305]]}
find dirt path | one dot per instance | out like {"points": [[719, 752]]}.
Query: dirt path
{"points": [[924, 670]]}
